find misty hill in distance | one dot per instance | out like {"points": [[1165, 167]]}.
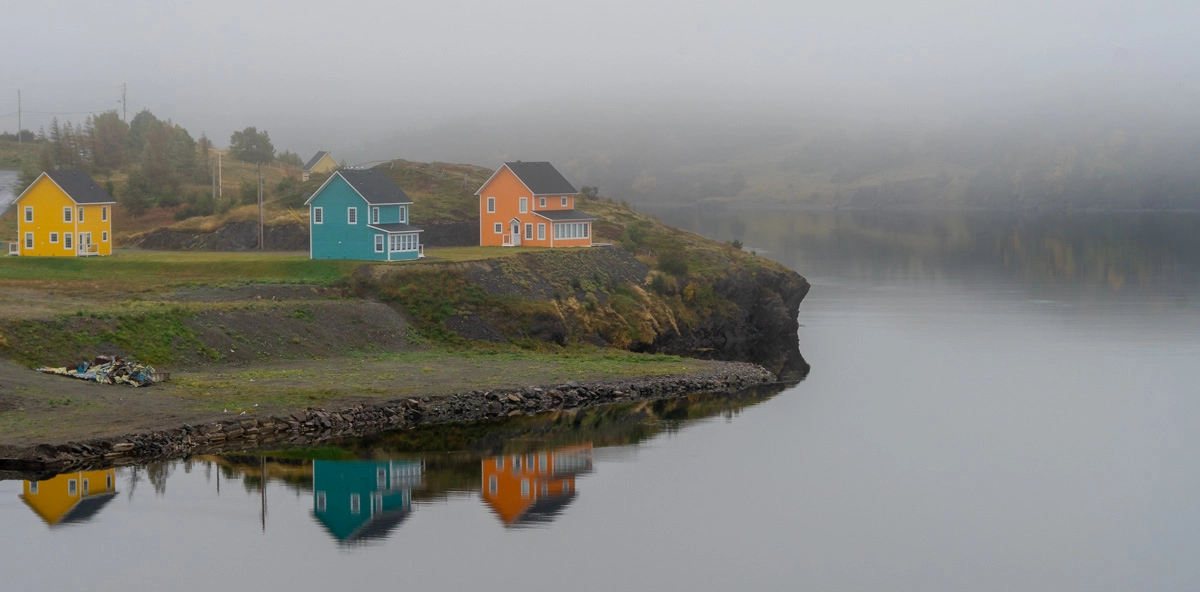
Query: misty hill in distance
{"points": [[1065, 158]]}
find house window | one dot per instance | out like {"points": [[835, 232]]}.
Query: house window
{"points": [[104, 213], [545, 489], [81, 213], [29, 240], [71, 487], [379, 243], [564, 201], [33, 487], [376, 503], [541, 202], [54, 238], [569, 230], [404, 214], [491, 203], [318, 216], [108, 482], [541, 232], [374, 215], [67, 213], [542, 462], [86, 486], [355, 504], [499, 463], [522, 205], [29, 213], [67, 241], [525, 488], [528, 231], [321, 501], [566, 487], [493, 485], [499, 228], [104, 236], [351, 215]]}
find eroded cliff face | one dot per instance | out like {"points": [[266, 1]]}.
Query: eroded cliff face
{"points": [[743, 310]]}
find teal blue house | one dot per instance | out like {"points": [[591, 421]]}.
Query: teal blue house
{"points": [[360, 501], [361, 214]]}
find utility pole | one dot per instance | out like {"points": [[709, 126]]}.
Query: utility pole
{"points": [[123, 109], [260, 208]]}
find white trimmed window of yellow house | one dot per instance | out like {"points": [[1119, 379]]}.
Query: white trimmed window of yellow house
{"points": [[67, 210], [104, 213], [104, 236], [54, 238], [29, 213], [81, 213]]}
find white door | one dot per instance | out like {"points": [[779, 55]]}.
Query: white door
{"points": [[516, 233], [84, 242]]}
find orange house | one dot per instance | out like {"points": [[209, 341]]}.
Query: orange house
{"points": [[525, 489], [531, 204]]}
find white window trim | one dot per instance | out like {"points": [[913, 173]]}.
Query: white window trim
{"points": [[72, 487], [404, 214], [33, 487], [29, 241], [541, 231], [322, 500], [564, 201], [318, 215], [103, 236], [68, 212], [355, 504], [491, 205], [379, 243], [54, 238], [81, 214], [523, 205], [375, 215], [352, 215], [87, 486], [104, 213], [28, 214], [528, 231], [67, 242], [499, 228], [541, 202]]}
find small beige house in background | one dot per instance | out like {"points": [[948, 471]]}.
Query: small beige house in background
{"points": [[320, 163]]}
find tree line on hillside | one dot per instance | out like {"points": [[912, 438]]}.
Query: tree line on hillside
{"points": [[158, 158]]}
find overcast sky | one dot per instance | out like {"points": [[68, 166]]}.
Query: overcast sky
{"points": [[340, 74]]}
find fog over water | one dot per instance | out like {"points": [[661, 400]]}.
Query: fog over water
{"points": [[374, 80]]}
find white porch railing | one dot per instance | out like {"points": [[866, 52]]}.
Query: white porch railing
{"points": [[420, 251], [88, 249], [14, 248]]}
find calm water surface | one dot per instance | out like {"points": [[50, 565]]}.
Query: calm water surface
{"points": [[995, 403]]}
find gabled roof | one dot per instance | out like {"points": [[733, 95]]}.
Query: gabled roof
{"points": [[540, 177], [77, 185], [312, 162], [563, 215], [372, 184]]}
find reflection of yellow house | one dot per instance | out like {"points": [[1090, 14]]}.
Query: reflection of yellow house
{"points": [[71, 498], [320, 163], [64, 214], [529, 488]]}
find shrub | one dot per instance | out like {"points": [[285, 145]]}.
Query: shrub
{"points": [[673, 262]]}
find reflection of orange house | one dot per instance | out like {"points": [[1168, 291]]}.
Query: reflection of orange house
{"points": [[531, 204], [71, 498], [529, 488]]}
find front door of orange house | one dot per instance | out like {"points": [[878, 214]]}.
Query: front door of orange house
{"points": [[516, 232]]}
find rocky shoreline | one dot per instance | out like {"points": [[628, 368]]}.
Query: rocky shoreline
{"points": [[313, 426]]}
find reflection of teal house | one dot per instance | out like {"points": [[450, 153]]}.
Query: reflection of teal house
{"points": [[361, 215], [357, 501]]}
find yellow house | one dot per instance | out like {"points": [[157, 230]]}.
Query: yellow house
{"points": [[71, 498], [64, 214], [321, 162]]}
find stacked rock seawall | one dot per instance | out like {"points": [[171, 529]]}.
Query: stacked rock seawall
{"points": [[313, 426]]}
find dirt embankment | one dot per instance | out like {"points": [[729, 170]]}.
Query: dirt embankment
{"points": [[608, 297]]}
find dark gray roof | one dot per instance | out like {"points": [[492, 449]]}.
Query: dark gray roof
{"points": [[312, 162], [541, 178], [375, 187], [86, 508], [80, 187], [544, 510], [563, 215], [395, 227]]}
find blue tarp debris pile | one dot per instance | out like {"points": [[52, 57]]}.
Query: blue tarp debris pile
{"points": [[109, 370]]}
